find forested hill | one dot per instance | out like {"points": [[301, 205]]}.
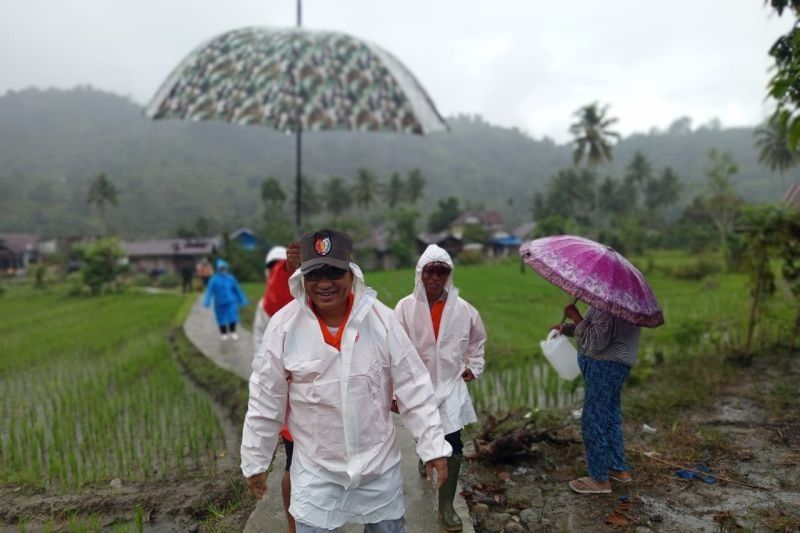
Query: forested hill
{"points": [[52, 142]]}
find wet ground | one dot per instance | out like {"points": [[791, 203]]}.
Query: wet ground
{"points": [[749, 438]]}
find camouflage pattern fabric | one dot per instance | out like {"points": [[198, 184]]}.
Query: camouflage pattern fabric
{"points": [[291, 78]]}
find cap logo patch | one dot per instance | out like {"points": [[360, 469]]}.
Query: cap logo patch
{"points": [[322, 245]]}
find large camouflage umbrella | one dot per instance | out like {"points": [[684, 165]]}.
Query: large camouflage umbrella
{"points": [[296, 80]]}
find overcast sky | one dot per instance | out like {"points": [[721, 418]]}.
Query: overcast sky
{"points": [[524, 63]]}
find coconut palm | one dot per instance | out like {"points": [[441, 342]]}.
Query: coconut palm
{"points": [[365, 188], [638, 171], [337, 196], [773, 146], [310, 199], [416, 184], [593, 140], [102, 193], [394, 191]]}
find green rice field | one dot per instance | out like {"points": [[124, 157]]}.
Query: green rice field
{"points": [[89, 392], [518, 308]]}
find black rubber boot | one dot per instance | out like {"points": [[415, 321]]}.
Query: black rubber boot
{"points": [[448, 492]]}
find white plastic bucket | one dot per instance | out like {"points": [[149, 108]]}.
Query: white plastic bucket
{"points": [[561, 354]]}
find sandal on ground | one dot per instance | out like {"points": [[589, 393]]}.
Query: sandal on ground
{"points": [[620, 476], [587, 485]]}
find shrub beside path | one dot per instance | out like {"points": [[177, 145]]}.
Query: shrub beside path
{"points": [[236, 356]]}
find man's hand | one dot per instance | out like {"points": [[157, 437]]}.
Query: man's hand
{"points": [[573, 314], [467, 375], [558, 327], [257, 485], [440, 464], [293, 257]]}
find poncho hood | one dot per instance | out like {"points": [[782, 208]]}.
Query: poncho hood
{"points": [[432, 254]]}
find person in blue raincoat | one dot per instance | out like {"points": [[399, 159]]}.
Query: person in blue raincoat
{"points": [[228, 297]]}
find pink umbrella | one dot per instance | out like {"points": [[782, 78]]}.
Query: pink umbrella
{"points": [[596, 274]]}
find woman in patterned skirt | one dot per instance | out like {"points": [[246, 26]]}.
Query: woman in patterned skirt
{"points": [[607, 348]]}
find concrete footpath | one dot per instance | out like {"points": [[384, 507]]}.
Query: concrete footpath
{"points": [[236, 356]]}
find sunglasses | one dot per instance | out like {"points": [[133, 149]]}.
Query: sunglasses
{"points": [[327, 272], [437, 271]]}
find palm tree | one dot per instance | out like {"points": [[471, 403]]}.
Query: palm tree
{"points": [[663, 192], [394, 192], [310, 200], [593, 140], [337, 196], [102, 192], [365, 188], [773, 145], [638, 173], [416, 183]]}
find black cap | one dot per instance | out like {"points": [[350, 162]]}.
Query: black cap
{"points": [[325, 247]]}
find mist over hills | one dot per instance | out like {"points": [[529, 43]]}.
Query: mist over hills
{"points": [[53, 142]]}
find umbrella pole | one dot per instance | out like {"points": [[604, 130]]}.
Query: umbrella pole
{"points": [[298, 181], [299, 13], [299, 146]]}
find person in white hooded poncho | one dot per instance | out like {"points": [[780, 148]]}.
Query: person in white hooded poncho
{"points": [[449, 335], [329, 365]]}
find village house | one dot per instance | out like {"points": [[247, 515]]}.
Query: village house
{"points": [[17, 251], [245, 238], [160, 256], [444, 239], [374, 252]]}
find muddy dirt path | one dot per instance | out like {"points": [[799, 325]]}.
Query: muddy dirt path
{"points": [[749, 437]]}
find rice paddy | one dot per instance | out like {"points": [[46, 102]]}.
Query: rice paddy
{"points": [[89, 392], [518, 308]]}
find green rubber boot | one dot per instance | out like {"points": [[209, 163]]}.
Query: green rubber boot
{"points": [[448, 492], [421, 467]]}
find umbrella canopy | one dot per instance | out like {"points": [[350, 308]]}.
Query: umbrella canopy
{"points": [[595, 274], [296, 80]]}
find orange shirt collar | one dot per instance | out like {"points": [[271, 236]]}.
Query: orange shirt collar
{"points": [[331, 339]]}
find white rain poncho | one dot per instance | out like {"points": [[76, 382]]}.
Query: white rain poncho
{"points": [[337, 407], [459, 346], [260, 321]]}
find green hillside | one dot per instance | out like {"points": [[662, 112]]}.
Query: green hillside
{"points": [[52, 142]]}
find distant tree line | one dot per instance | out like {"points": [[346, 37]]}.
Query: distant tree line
{"points": [[639, 209]]}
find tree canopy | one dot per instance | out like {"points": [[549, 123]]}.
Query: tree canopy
{"points": [[593, 140]]}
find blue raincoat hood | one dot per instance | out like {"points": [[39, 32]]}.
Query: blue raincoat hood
{"points": [[221, 263]]}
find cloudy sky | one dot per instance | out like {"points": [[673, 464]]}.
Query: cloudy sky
{"points": [[523, 63]]}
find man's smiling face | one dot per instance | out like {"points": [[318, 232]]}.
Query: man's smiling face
{"points": [[329, 288]]}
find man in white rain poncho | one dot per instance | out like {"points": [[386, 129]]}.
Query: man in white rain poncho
{"points": [[449, 336], [329, 365]]}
